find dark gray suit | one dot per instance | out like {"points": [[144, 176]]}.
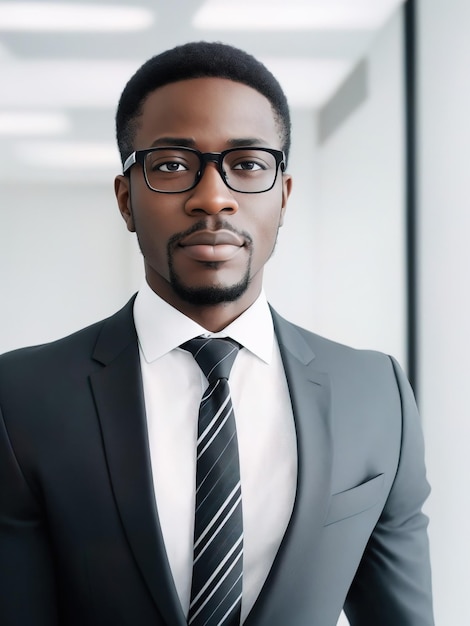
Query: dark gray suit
{"points": [[80, 542]]}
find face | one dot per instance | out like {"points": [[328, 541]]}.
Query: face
{"points": [[206, 246]]}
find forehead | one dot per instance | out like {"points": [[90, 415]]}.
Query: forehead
{"points": [[207, 110]]}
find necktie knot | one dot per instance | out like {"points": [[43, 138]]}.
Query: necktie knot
{"points": [[214, 356]]}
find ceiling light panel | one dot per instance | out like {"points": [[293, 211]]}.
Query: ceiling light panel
{"points": [[30, 123], [72, 17], [295, 14], [60, 84], [68, 155]]}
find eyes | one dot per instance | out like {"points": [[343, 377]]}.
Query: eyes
{"points": [[170, 167], [173, 167], [249, 166]]}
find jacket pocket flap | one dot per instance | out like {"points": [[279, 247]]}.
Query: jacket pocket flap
{"points": [[353, 501]]}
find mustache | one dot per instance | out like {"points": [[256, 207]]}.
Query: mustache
{"points": [[174, 240]]}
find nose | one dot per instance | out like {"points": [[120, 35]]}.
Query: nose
{"points": [[211, 195]]}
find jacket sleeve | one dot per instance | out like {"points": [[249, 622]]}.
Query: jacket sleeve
{"points": [[393, 582], [27, 587]]}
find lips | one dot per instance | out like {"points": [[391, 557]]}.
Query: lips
{"points": [[212, 246], [212, 238]]}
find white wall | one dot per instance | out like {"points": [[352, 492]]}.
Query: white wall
{"points": [[66, 260], [444, 287], [361, 258]]}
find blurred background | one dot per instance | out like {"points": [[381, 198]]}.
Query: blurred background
{"points": [[375, 248]]}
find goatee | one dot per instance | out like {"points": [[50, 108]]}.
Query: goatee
{"points": [[208, 296]]}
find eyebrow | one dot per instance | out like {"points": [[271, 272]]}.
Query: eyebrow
{"points": [[188, 142], [248, 141], [174, 141]]}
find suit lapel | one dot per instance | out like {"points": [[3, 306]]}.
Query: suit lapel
{"points": [[118, 393], [310, 395]]}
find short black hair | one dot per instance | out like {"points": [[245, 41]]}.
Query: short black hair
{"points": [[197, 60]]}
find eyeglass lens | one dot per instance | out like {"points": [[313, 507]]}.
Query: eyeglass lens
{"points": [[248, 170]]}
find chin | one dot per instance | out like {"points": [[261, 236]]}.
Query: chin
{"points": [[211, 295]]}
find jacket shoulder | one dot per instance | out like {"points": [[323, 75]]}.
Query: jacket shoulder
{"points": [[325, 350], [66, 352]]}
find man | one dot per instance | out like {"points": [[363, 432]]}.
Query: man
{"points": [[102, 521]]}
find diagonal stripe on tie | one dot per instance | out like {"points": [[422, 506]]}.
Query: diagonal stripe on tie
{"points": [[235, 494], [216, 590]]}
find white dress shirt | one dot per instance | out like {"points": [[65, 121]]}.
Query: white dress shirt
{"points": [[173, 386]]}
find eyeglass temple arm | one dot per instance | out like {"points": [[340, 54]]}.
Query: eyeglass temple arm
{"points": [[129, 162]]}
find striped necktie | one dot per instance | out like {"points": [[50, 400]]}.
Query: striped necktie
{"points": [[216, 589]]}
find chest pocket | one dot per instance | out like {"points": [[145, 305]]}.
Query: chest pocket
{"points": [[354, 501]]}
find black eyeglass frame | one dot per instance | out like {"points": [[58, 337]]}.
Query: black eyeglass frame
{"points": [[138, 156]]}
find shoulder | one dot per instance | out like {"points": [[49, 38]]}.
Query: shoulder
{"points": [[65, 353], [350, 371], [327, 353]]}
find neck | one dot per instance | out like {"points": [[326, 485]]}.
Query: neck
{"points": [[217, 317]]}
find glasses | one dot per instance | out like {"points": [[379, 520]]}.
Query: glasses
{"points": [[175, 169]]}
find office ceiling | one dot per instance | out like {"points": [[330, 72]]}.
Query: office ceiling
{"points": [[60, 83]]}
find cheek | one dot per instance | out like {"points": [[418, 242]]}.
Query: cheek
{"points": [[266, 234], [270, 222], [155, 217]]}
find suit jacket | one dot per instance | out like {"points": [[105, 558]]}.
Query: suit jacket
{"points": [[80, 542]]}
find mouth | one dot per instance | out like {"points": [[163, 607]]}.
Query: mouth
{"points": [[210, 246]]}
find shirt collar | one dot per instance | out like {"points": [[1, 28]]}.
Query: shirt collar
{"points": [[162, 328]]}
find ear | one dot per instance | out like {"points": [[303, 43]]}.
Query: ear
{"points": [[286, 190], [123, 197]]}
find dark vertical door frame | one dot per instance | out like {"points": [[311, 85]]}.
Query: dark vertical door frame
{"points": [[411, 190]]}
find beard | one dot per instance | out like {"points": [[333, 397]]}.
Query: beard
{"points": [[208, 296]]}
